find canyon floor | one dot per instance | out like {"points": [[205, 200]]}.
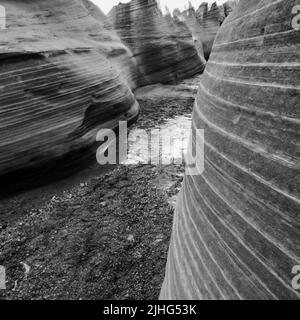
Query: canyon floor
{"points": [[102, 233]]}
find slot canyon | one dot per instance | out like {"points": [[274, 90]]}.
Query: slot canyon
{"points": [[144, 227]]}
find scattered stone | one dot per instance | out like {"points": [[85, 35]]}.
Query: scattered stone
{"points": [[130, 238], [27, 269], [89, 249]]}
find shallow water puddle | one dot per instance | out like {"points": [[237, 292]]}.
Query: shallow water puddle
{"points": [[162, 145]]}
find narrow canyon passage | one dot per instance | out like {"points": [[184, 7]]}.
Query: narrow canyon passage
{"points": [[101, 233], [147, 153]]}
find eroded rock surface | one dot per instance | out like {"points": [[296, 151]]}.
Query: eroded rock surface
{"points": [[64, 74], [188, 17], [164, 50], [236, 232], [210, 20]]}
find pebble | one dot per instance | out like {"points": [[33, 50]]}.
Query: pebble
{"points": [[130, 238]]}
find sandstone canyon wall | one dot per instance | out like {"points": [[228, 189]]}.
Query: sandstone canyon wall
{"points": [[64, 74], [236, 233], [210, 21], [188, 17], [164, 50]]}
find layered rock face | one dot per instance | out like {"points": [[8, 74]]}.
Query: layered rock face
{"points": [[210, 21], [189, 18], [165, 52], [63, 75], [236, 232]]}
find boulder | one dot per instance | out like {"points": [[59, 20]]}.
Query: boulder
{"points": [[236, 231], [64, 74], [164, 50]]}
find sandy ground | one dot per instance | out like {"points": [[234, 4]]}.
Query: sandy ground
{"points": [[102, 233]]}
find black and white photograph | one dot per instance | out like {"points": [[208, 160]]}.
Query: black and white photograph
{"points": [[149, 152]]}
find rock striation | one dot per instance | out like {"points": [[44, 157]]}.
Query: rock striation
{"points": [[236, 232], [64, 74], [188, 17], [164, 50]]}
